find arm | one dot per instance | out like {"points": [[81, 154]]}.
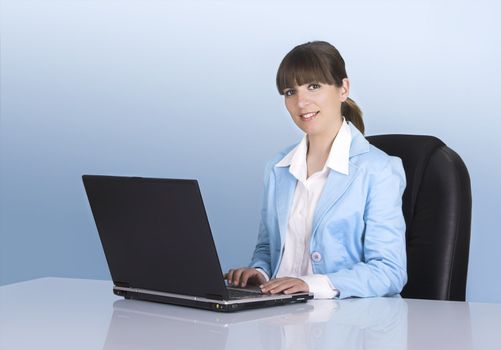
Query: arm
{"points": [[262, 257], [383, 269]]}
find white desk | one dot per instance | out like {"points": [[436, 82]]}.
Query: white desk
{"points": [[59, 313]]}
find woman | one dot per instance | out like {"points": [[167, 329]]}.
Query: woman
{"points": [[331, 221]]}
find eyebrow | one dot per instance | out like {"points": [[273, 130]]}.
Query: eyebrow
{"points": [[308, 83]]}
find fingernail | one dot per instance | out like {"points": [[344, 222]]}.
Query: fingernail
{"points": [[261, 286]]}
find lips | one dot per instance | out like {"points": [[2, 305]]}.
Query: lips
{"points": [[309, 116]]}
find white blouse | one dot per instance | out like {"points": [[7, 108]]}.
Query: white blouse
{"points": [[296, 259]]}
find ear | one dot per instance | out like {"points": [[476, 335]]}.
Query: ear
{"points": [[344, 90]]}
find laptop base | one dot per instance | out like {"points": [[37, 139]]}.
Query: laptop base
{"points": [[209, 304]]}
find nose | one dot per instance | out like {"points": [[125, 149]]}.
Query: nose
{"points": [[302, 99]]}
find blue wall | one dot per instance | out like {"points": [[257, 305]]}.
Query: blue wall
{"points": [[186, 89]]}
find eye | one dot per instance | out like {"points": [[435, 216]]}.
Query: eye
{"points": [[314, 86], [289, 92]]}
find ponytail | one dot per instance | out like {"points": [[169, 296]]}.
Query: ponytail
{"points": [[353, 114]]}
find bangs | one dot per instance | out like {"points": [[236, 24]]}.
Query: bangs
{"points": [[300, 67]]}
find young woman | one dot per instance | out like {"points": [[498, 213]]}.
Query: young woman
{"points": [[331, 220]]}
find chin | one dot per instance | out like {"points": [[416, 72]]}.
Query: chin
{"points": [[312, 131]]}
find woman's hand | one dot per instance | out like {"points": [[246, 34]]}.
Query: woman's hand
{"points": [[243, 276], [286, 285]]}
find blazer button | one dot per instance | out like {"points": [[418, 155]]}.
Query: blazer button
{"points": [[316, 256]]}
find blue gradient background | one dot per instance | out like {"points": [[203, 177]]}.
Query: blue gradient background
{"points": [[186, 89]]}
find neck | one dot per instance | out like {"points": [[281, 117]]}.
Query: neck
{"points": [[319, 145]]}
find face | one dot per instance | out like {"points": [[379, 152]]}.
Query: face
{"points": [[316, 107]]}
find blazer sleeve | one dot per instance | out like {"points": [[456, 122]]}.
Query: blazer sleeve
{"points": [[383, 270], [262, 256]]}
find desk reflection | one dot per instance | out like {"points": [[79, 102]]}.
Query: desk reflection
{"points": [[379, 323]]}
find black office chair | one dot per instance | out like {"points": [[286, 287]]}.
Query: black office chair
{"points": [[437, 211]]}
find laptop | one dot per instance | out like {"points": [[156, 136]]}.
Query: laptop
{"points": [[159, 247]]}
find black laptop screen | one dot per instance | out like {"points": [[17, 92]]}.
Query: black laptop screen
{"points": [[155, 234]]}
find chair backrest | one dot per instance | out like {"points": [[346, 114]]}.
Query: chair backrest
{"points": [[437, 210]]}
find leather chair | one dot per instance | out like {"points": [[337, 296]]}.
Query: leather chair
{"points": [[437, 209]]}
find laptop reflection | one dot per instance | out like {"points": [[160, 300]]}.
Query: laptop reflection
{"points": [[348, 324]]}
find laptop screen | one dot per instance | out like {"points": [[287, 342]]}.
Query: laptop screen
{"points": [[155, 234]]}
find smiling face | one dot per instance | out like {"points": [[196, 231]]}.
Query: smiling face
{"points": [[316, 107]]}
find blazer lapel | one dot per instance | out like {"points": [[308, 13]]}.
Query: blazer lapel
{"points": [[334, 188], [338, 183], [284, 194]]}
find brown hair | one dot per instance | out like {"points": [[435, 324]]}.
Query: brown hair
{"points": [[321, 62]]}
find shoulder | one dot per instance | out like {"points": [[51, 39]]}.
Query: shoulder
{"points": [[381, 170], [278, 156], [374, 159], [377, 163], [371, 159]]}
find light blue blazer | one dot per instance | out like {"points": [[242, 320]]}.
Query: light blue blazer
{"points": [[358, 231]]}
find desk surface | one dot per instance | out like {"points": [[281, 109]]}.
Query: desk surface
{"points": [[59, 313]]}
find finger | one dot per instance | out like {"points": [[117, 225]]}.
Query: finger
{"points": [[248, 273], [253, 277], [296, 289], [273, 283], [236, 276], [229, 276], [281, 286], [260, 279]]}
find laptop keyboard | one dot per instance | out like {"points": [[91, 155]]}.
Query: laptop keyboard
{"points": [[243, 294]]}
